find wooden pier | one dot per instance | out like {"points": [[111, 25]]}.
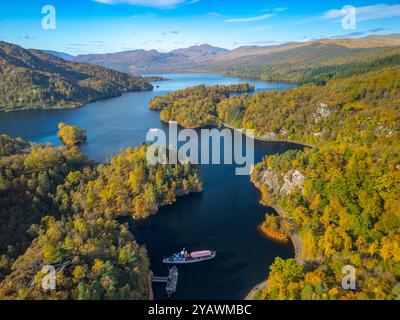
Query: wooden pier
{"points": [[171, 281]]}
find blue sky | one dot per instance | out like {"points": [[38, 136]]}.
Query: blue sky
{"points": [[100, 26]]}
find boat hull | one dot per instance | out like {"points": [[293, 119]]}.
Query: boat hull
{"points": [[188, 261]]}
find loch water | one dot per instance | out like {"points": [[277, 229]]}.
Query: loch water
{"points": [[224, 217]]}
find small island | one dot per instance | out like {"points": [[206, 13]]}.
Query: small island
{"points": [[71, 135], [155, 78]]}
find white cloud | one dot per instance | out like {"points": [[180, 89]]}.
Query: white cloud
{"points": [[281, 9], [269, 13], [375, 12], [213, 14], [250, 19], [148, 3], [275, 10]]}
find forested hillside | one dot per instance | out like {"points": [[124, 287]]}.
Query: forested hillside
{"points": [[58, 208], [294, 61], [145, 61], [340, 197], [195, 107], [353, 109], [345, 210], [318, 62], [31, 79]]}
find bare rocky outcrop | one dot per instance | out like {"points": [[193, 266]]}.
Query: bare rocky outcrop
{"points": [[270, 136], [322, 112], [293, 179], [280, 184], [284, 133], [382, 130]]}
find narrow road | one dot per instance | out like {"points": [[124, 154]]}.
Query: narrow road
{"points": [[298, 247]]}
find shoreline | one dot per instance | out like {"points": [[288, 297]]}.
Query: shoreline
{"points": [[243, 131], [294, 237], [273, 238], [73, 106], [298, 249]]}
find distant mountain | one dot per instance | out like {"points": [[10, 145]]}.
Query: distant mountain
{"points": [[204, 51], [134, 61], [304, 51], [206, 57], [61, 55], [314, 61], [372, 41], [142, 61], [31, 79]]}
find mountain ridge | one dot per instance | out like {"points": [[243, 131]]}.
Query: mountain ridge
{"points": [[205, 56], [62, 55]]}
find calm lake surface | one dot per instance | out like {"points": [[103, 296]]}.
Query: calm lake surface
{"points": [[224, 217]]}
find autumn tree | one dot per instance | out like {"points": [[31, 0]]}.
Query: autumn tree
{"points": [[71, 135]]}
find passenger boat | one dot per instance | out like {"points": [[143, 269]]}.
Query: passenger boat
{"points": [[184, 257]]}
